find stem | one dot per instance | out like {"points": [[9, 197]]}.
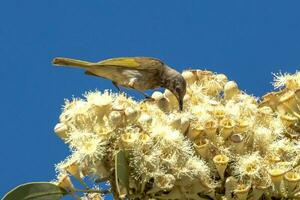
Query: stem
{"points": [[83, 184], [93, 191], [114, 187], [74, 196]]}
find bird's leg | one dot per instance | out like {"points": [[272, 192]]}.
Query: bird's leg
{"points": [[116, 85], [147, 97]]}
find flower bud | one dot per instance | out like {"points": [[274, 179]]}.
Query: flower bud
{"points": [[297, 96], [238, 142], [184, 124], [145, 119], [288, 103], [230, 90], [204, 75], [131, 114], [288, 119], [175, 122], [94, 196], [189, 77], [65, 182], [73, 169], [61, 130], [157, 95], [115, 118], [221, 78], [171, 98], [163, 104]]}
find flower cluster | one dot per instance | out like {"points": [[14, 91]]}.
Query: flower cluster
{"points": [[225, 144]]}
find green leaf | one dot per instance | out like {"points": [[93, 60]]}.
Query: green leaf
{"points": [[36, 191], [122, 171]]}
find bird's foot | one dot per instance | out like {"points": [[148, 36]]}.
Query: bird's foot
{"points": [[148, 99]]}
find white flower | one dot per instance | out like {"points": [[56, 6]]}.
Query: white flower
{"points": [[249, 165]]}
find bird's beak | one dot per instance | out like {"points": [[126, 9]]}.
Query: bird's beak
{"points": [[180, 104]]}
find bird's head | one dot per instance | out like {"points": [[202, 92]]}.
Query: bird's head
{"points": [[178, 88]]}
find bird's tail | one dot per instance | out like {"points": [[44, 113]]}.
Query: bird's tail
{"points": [[71, 62]]}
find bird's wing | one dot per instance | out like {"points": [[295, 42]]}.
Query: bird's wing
{"points": [[140, 63], [90, 73]]}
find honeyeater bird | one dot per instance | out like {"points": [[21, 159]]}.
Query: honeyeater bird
{"points": [[139, 73]]}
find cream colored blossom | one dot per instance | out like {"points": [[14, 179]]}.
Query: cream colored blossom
{"points": [[250, 165], [222, 133]]}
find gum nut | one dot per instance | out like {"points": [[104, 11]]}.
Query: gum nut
{"points": [[189, 77], [236, 138], [297, 95], [221, 159], [185, 123], [204, 75], [289, 103], [266, 110], [131, 114], [193, 133], [241, 191], [291, 84], [201, 147], [186, 98], [61, 129], [63, 117], [227, 125], [291, 179], [175, 122], [157, 95], [276, 177], [210, 128], [288, 119], [221, 162]]}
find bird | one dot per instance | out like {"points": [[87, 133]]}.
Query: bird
{"points": [[139, 73]]}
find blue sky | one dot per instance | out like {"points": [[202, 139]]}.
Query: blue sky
{"points": [[246, 40]]}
